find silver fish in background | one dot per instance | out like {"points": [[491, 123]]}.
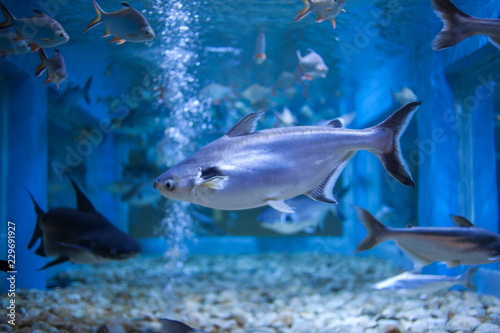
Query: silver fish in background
{"points": [[126, 25], [311, 66], [464, 244], [325, 9], [38, 31], [285, 118], [256, 93], [459, 26], [56, 68], [218, 92], [309, 215], [404, 96], [409, 283], [80, 235], [9, 44], [260, 48], [173, 326], [247, 169]]}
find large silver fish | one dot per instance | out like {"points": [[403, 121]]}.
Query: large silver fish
{"points": [[459, 26], [38, 31], [126, 25], [464, 244], [246, 169], [409, 283]]}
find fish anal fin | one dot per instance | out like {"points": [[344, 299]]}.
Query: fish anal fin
{"points": [[58, 261], [334, 24], [47, 80], [418, 260], [461, 221], [82, 202], [118, 40], [106, 33], [246, 125], [280, 205], [324, 192]]}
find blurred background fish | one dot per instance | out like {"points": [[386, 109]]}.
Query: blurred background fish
{"points": [[311, 66], [325, 9], [260, 48], [9, 44]]}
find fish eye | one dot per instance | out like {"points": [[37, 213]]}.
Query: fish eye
{"points": [[169, 184]]}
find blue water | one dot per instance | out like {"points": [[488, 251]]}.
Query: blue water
{"points": [[150, 93]]}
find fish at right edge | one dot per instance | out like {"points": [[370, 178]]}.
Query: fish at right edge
{"points": [[465, 244], [459, 26]]}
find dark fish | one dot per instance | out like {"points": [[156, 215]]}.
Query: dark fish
{"points": [[464, 244], [173, 326], [4, 266], [80, 235]]}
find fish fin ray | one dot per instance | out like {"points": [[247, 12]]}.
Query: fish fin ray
{"points": [[216, 183], [98, 17], [375, 230], [304, 12], [324, 192], [461, 221], [391, 157], [38, 232], [246, 125], [453, 19], [418, 260], [82, 202], [8, 17], [280, 205], [57, 261]]}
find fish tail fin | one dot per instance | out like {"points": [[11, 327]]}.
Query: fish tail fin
{"points": [[453, 19], [37, 233], [43, 57], [390, 154], [98, 17], [86, 89], [303, 13], [375, 230], [467, 278], [8, 17]]}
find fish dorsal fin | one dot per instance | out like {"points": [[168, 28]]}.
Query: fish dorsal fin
{"points": [[39, 13], [324, 192], [246, 125], [336, 123], [124, 4], [175, 326], [409, 225], [461, 221], [82, 202]]}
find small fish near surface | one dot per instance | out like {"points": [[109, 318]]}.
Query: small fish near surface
{"points": [[325, 9], [80, 235], [311, 66], [459, 26], [9, 44], [38, 31], [174, 326], [247, 168], [56, 68], [464, 244], [126, 25], [409, 283], [260, 48]]}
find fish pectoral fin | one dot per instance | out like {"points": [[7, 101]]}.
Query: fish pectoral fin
{"points": [[336, 123], [451, 264], [461, 221], [246, 125], [281, 206], [418, 260], [324, 192], [216, 183], [58, 261]]}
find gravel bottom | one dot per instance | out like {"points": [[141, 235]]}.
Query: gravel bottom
{"points": [[268, 293]]}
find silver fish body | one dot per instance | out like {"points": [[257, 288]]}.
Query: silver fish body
{"points": [[126, 25], [459, 26], [325, 9], [311, 65], [38, 31], [465, 244], [246, 169], [10, 45], [409, 283], [56, 67]]}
